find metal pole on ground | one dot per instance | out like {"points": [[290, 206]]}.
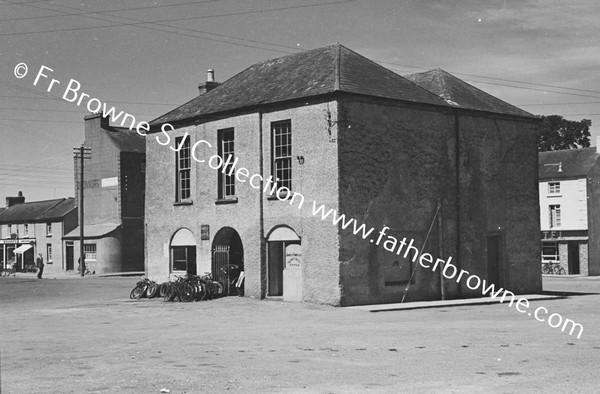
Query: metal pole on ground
{"points": [[81, 153]]}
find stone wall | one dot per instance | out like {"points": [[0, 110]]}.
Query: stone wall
{"points": [[397, 163], [314, 180]]}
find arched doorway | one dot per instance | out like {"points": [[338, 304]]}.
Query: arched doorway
{"points": [[183, 252], [228, 260], [284, 266]]}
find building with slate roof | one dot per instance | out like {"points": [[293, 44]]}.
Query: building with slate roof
{"points": [[29, 228], [570, 209], [114, 188], [430, 157]]}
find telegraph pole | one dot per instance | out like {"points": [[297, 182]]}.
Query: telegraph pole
{"points": [[81, 153]]}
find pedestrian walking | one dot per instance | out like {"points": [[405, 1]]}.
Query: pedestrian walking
{"points": [[39, 262], [81, 267]]}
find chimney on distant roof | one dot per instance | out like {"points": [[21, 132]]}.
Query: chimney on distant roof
{"points": [[210, 83], [10, 201]]}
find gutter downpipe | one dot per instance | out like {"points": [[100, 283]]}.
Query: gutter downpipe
{"points": [[261, 219], [458, 202]]}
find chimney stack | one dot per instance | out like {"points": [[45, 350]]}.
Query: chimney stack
{"points": [[10, 201], [210, 83]]}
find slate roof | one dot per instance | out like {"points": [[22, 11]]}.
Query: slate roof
{"points": [[127, 140], [37, 211], [460, 94], [312, 73], [575, 163]]}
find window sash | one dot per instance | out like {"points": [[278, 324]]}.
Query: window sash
{"points": [[89, 251], [553, 187], [180, 258], [226, 182], [48, 229], [49, 252], [184, 167], [282, 153], [550, 251], [555, 217]]}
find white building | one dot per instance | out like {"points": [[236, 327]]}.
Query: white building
{"points": [[570, 209]]}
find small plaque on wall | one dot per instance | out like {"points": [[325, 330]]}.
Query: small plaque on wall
{"points": [[204, 232]]}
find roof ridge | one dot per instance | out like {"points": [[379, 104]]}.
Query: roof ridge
{"points": [[484, 92], [336, 77], [396, 74]]}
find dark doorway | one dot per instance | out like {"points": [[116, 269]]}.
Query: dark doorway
{"points": [[573, 257], [494, 260], [275, 269], [228, 260], [69, 257]]}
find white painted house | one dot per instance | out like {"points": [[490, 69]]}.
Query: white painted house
{"points": [[570, 209]]}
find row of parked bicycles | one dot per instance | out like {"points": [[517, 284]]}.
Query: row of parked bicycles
{"points": [[552, 268], [191, 287]]}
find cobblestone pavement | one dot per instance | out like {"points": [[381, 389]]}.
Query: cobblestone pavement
{"points": [[85, 336]]}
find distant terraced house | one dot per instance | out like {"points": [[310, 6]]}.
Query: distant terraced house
{"points": [[429, 156], [29, 228], [570, 209]]}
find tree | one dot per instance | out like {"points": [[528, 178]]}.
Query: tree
{"points": [[558, 133]]}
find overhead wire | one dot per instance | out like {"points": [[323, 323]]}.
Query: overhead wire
{"points": [[94, 12], [138, 21]]}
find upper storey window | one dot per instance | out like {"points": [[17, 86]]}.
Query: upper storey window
{"points": [[184, 168], [282, 153]]}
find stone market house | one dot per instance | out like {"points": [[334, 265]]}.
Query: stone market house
{"points": [[113, 187], [435, 160], [570, 209], [29, 228]]}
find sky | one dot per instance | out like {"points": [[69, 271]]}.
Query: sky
{"points": [[147, 57]]}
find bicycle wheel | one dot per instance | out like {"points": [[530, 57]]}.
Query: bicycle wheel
{"points": [[170, 293], [152, 290], [162, 289], [186, 293], [219, 289], [560, 271], [138, 292], [546, 269]]}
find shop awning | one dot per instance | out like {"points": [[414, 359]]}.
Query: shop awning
{"points": [[23, 248]]}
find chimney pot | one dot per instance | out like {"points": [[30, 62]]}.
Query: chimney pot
{"points": [[210, 83]]}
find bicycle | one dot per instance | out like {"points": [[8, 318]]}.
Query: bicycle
{"points": [[230, 276], [214, 288], [179, 290], [144, 288], [10, 270], [552, 268]]}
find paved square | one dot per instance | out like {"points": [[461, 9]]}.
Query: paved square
{"points": [[83, 335]]}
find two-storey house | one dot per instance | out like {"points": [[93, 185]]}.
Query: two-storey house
{"points": [[237, 176], [570, 209], [29, 228]]}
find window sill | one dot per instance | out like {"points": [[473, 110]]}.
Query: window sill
{"points": [[554, 195], [228, 200], [187, 202], [280, 197]]}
